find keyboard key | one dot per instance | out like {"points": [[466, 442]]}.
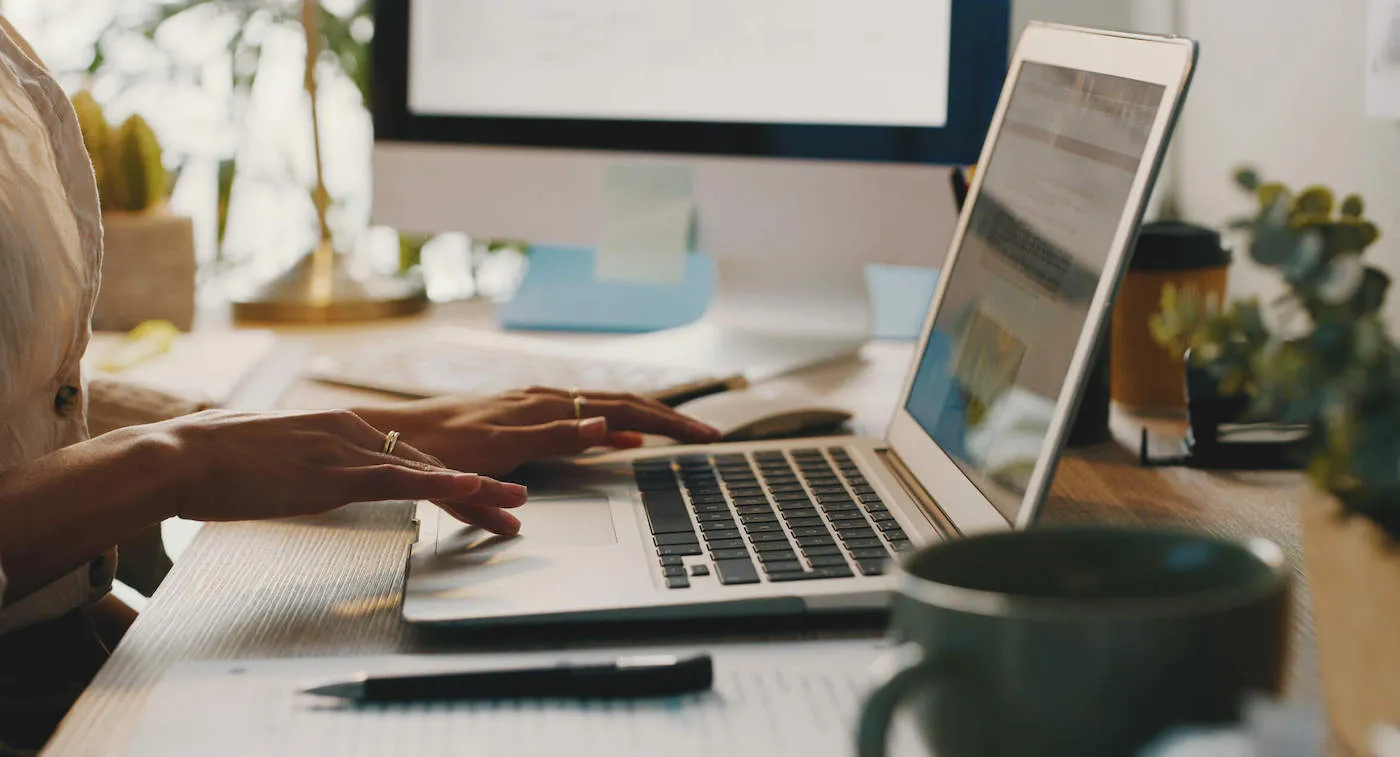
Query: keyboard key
{"points": [[799, 512], [708, 499], [901, 545], [723, 534], [741, 501], [695, 458], [823, 550], [825, 540], [847, 517], [729, 554], [796, 575], [863, 534], [683, 550], [772, 546], [747, 491], [767, 536], [815, 573], [835, 499], [787, 566], [767, 517], [669, 560], [731, 458], [827, 561], [726, 543], [870, 499], [863, 543], [754, 509], [877, 509], [804, 521], [666, 512], [881, 517], [711, 507], [699, 570], [763, 528], [871, 567], [871, 553], [668, 540], [778, 557], [820, 489], [678, 582], [715, 517], [719, 525], [836, 511], [671, 571], [894, 533], [890, 528], [736, 571], [811, 531]]}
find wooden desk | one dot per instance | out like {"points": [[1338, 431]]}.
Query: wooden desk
{"points": [[330, 585]]}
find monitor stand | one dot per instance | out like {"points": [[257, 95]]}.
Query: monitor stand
{"points": [[767, 318]]}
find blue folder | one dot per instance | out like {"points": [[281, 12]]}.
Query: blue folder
{"points": [[559, 293]]}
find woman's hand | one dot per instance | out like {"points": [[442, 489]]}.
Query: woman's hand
{"points": [[497, 435], [245, 466]]}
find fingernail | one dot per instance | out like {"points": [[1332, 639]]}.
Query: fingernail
{"points": [[470, 480], [593, 428], [704, 429], [516, 490], [512, 523]]}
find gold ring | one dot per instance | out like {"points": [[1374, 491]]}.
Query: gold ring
{"points": [[391, 440], [578, 407]]}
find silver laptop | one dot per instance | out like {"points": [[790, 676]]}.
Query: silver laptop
{"points": [[808, 526]]}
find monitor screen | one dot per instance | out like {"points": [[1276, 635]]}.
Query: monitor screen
{"points": [[878, 62], [1019, 290]]}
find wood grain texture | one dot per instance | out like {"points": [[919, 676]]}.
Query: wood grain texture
{"points": [[330, 585]]}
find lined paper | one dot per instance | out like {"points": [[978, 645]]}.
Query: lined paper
{"points": [[776, 699]]}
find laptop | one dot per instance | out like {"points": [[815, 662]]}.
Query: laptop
{"points": [[808, 526]]}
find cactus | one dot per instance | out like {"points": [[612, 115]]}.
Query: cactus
{"points": [[126, 160], [93, 124]]}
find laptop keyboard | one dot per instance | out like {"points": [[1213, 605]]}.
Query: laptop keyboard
{"points": [[794, 515]]}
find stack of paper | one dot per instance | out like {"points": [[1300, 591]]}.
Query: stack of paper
{"points": [[770, 699]]}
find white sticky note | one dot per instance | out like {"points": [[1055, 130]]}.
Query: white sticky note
{"points": [[647, 227], [1383, 59]]}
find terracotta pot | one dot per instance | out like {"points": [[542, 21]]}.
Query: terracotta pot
{"points": [[148, 270], [1354, 573]]}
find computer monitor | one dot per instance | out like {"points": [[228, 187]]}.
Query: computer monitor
{"points": [[817, 135]]}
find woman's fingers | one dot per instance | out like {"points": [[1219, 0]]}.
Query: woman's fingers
{"points": [[493, 519], [384, 481], [624, 412]]}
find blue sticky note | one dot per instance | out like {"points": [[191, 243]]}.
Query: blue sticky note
{"points": [[559, 293]]}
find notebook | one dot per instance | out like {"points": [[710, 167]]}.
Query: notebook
{"points": [[769, 699]]}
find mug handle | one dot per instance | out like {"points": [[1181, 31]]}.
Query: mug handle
{"points": [[872, 733]]}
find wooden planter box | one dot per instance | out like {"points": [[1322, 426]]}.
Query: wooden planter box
{"points": [[1354, 573], [148, 270]]}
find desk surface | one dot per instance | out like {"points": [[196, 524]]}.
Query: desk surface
{"points": [[330, 585]]}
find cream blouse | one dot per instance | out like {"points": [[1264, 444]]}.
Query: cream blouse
{"points": [[50, 260]]}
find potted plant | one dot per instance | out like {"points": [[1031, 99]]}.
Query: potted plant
{"points": [[148, 266], [1320, 356]]}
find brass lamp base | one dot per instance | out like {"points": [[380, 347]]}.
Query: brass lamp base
{"points": [[321, 288]]}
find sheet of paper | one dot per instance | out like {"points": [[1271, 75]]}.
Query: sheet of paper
{"points": [[203, 366], [1383, 59], [647, 226], [769, 699]]}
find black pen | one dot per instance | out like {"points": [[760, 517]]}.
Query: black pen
{"points": [[638, 677]]}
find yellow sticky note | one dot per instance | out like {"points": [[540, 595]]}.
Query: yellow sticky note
{"points": [[647, 226]]}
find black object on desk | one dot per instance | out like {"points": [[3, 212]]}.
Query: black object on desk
{"points": [[642, 676]]}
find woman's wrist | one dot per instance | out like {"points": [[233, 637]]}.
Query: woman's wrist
{"points": [[161, 473]]}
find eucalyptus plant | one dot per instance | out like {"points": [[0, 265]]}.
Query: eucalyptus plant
{"points": [[1319, 355]]}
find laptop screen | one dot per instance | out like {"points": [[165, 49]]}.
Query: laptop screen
{"points": [[1039, 235]]}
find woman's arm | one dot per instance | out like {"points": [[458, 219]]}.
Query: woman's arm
{"points": [[68, 507], [64, 509]]}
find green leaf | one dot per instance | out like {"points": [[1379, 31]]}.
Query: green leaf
{"points": [[1247, 179], [1353, 206], [1371, 294], [1315, 200]]}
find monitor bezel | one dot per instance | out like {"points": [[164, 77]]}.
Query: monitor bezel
{"points": [[1168, 61], [979, 49]]}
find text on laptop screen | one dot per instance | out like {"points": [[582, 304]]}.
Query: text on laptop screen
{"points": [[1038, 238]]}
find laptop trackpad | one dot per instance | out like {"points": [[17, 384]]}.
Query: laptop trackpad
{"points": [[551, 521]]}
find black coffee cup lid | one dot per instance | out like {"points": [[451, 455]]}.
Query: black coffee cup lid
{"points": [[1177, 246]]}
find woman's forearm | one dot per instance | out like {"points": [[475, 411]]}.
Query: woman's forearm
{"points": [[66, 508]]}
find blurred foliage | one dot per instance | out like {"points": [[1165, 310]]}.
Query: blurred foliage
{"points": [[126, 160], [1324, 359]]}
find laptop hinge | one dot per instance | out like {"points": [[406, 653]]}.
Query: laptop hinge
{"points": [[911, 486]]}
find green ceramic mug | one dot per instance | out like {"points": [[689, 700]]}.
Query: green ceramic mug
{"points": [[1079, 641]]}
